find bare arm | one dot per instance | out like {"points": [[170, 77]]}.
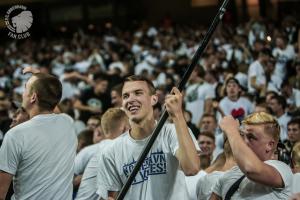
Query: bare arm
{"points": [[186, 153], [251, 165], [5, 180], [208, 106], [111, 195], [214, 197], [78, 105]]}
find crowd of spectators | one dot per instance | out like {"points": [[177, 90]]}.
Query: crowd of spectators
{"points": [[246, 68]]}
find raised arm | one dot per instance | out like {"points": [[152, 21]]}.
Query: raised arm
{"points": [[247, 160], [186, 153]]}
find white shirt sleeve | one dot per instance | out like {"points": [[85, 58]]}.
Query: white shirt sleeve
{"points": [[80, 162], [107, 175], [217, 188], [173, 141], [284, 170], [10, 153], [252, 71]]}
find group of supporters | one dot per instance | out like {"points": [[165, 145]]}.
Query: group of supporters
{"points": [[233, 132]]}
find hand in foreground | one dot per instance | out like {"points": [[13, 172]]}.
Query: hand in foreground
{"points": [[173, 102], [30, 69], [295, 196], [229, 125]]}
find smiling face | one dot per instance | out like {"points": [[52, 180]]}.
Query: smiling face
{"points": [[137, 101]]}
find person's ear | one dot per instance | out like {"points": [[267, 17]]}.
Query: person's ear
{"points": [[33, 98], [154, 100], [270, 146]]}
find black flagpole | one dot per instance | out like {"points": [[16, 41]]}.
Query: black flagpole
{"points": [[181, 85]]}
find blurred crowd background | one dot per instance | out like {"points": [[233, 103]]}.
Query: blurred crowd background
{"points": [[251, 63]]}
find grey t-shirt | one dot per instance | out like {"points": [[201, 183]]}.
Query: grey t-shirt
{"points": [[88, 186], [83, 157], [251, 190], [40, 154], [206, 183], [159, 176]]}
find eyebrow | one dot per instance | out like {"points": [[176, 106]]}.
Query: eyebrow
{"points": [[137, 90], [251, 135]]}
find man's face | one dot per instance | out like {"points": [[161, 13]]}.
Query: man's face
{"points": [[19, 117], [232, 90], [294, 133], [206, 144], [27, 100], [274, 105], [259, 141], [92, 123], [287, 91], [137, 100], [101, 86], [208, 124], [116, 99], [98, 135]]}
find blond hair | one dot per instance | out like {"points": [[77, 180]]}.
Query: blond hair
{"points": [[296, 155], [112, 119], [271, 125]]}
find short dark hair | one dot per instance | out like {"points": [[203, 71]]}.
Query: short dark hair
{"points": [[207, 134], [295, 120], [281, 100], [141, 78], [118, 89], [48, 89]]}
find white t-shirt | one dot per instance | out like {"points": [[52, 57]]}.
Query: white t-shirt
{"points": [[238, 109], [250, 190], [83, 157], [88, 185], [159, 176], [283, 56], [283, 120], [296, 183], [256, 70], [195, 98], [40, 154], [295, 98], [206, 183], [191, 182]]}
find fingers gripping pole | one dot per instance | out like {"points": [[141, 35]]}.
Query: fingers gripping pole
{"points": [[181, 85]]}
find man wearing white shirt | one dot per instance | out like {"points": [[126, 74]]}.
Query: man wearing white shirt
{"points": [[256, 175], [283, 52], [256, 74], [278, 106], [40, 152], [114, 122]]}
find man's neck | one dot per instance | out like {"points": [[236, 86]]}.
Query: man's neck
{"points": [[280, 113], [233, 98], [230, 162], [142, 129], [35, 111]]}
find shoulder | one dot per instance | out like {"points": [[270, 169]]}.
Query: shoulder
{"points": [[224, 100], [245, 100], [113, 147], [283, 169]]}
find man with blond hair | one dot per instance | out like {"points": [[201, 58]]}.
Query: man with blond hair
{"points": [[256, 176], [114, 122]]}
